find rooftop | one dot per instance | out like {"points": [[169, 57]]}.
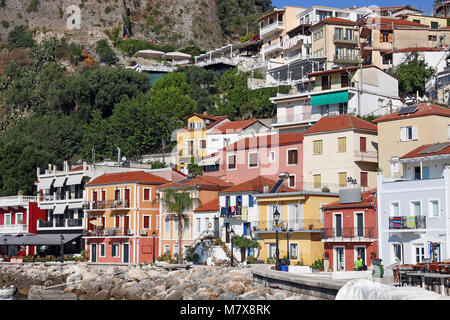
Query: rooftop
{"points": [[423, 109], [255, 185], [396, 22], [233, 126], [342, 122], [267, 141], [202, 182], [367, 199], [212, 205], [428, 150], [127, 176]]}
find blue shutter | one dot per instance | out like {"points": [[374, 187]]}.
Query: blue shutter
{"points": [[250, 200], [245, 228]]}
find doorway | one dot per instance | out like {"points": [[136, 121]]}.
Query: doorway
{"points": [[93, 252], [126, 252]]}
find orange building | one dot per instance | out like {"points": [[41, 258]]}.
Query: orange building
{"points": [[122, 220], [203, 188]]}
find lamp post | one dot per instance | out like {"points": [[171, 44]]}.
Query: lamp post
{"points": [[232, 235], [276, 218], [61, 249], [154, 235]]}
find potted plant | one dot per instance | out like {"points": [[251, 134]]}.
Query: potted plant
{"points": [[83, 255], [310, 226]]}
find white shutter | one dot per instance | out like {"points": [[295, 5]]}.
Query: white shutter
{"points": [[232, 200], [245, 200], [414, 133], [403, 134], [222, 201]]}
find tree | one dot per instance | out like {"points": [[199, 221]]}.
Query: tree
{"points": [[20, 38], [244, 243], [105, 52], [179, 203], [412, 76]]}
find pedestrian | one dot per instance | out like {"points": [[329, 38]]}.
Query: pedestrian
{"points": [[358, 263]]}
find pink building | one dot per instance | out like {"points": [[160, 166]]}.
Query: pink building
{"points": [[350, 229], [258, 156]]}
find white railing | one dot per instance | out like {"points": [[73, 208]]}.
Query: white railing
{"points": [[299, 117], [13, 228], [275, 26], [297, 57], [18, 200], [150, 67], [273, 47], [63, 223]]}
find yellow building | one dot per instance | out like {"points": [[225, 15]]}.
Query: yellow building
{"points": [[300, 212], [191, 140], [273, 30]]}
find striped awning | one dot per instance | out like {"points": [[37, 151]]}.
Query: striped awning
{"points": [[208, 162]]}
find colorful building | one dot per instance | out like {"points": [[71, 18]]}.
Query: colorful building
{"points": [[350, 229], [191, 140], [300, 212], [122, 218], [204, 188], [340, 151], [266, 155], [409, 128]]}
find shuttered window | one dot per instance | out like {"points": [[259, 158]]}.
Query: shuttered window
{"points": [[292, 157], [253, 160], [364, 182], [317, 181], [342, 144], [146, 194], [231, 161], [317, 147], [363, 144], [146, 222], [342, 179]]}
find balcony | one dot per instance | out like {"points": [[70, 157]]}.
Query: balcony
{"points": [[345, 39], [13, 228], [304, 117], [348, 234], [273, 47], [297, 57], [111, 232], [346, 59], [225, 212], [106, 205], [18, 200], [407, 223], [294, 224], [366, 156], [60, 224], [271, 28]]}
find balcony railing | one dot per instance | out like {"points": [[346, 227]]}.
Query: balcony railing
{"points": [[13, 228], [366, 156], [273, 47], [60, 223], [294, 224], [274, 26], [343, 38], [346, 58], [108, 204], [111, 232], [407, 223], [16, 200], [348, 234]]}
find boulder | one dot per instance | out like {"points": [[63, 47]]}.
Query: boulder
{"points": [[227, 295], [175, 294], [236, 287], [136, 275], [102, 295], [253, 295]]}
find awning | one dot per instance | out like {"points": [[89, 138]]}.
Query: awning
{"points": [[329, 98], [208, 162], [46, 206], [176, 56], [59, 181], [75, 179], [60, 208], [149, 54], [76, 205], [45, 183], [39, 239]]}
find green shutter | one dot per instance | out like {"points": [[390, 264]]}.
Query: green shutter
{"points": [[329, 98]]}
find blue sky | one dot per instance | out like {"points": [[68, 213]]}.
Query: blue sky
{"points": [[425, 5]]}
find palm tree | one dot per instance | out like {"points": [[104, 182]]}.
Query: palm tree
{"points": [[178, 203]]}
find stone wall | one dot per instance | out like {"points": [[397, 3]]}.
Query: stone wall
{"points": [[138, 282]]}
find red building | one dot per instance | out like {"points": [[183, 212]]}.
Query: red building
{"points": [[350, 229]]}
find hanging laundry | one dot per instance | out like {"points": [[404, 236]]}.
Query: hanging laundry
{"points": [[244, 211], [233, 209]]}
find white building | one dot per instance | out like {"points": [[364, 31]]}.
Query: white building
{"points": [[413, 222]]}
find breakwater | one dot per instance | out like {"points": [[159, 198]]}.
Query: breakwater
{"points": [[83, 281]]}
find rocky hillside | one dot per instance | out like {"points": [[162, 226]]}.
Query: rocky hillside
{"points": [[176, 22]]}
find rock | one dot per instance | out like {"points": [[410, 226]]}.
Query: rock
{"points": [[253, 295], [171, 282], [102, 295], [277, 296], [227, 295], [175, 294], [136, 275], [236, 287]]}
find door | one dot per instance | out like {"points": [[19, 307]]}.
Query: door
{"points": [[94, 196], [338, 225], [126, 252], [93, 252], [126, 224], [227, 232], [216, 227], [127, 198], [339, 258], [359, 224], [361, 251]]}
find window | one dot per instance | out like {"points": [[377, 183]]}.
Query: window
{"points": [[117, 194], [385, 37], [342, 177], [226, 142], [187, 227], [364, 179], [395, 165], [291, 181], [94, 195], [272, 249], [317, 147], [344, 79], [198, 226], [116, 222], [231, 162], [363, 144], [7, 219], [434, 25], [325, 82], [253, 160], [416, 210], [408, 133], [272, 153], [293, 251], [342, 144], [434, 208], [416, 20], [102, 249], [167, 248], [397, 250], [147, 194], [317, 181], [175, 227], [166, 225], [103, 195], [146, 222], [395, 209], [292, 157], [420, 253], [432, 38], [115, 250], [19, 218], [343, 108], [202, 144], [206, 223]]}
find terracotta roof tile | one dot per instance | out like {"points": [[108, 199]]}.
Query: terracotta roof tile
{"points": [[127, 176], [397, 22], [423, 109], [255, 185], [203, 182], [416, 152], [234, 126], [212, 205], [271, 140], [342, 122], [366, 199]]}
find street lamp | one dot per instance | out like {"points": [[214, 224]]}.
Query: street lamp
{"points": [[232, 235], [61, 249], [276, 218], [154, 235]]}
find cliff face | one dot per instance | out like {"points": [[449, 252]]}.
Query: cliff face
{"points": [[177, 22]]}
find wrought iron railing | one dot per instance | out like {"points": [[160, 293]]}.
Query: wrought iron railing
{"points": [[348, 233], [108, 204], [294, 224], [110, 232]]}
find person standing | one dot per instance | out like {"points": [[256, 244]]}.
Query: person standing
{"points": [[358, 263]]}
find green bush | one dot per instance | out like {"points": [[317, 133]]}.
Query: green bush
{"points": [[33, 6], [105, 52], [19, 37], [5, 24], [318, 264]]}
